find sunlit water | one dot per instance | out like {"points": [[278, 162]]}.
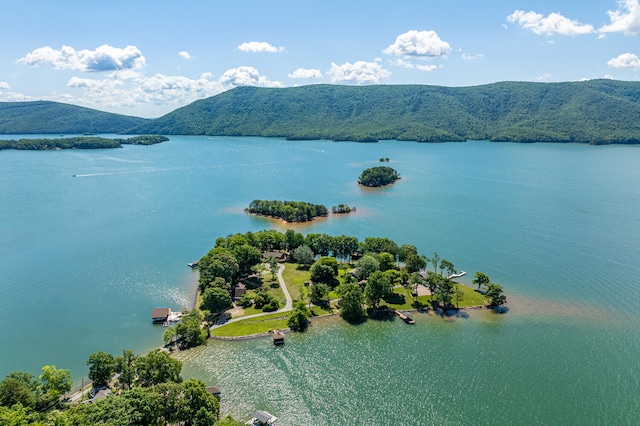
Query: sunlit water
{"points": [[84, 258]]}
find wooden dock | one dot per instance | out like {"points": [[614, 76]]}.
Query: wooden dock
{"points": [[278, 338], [405, 318]]}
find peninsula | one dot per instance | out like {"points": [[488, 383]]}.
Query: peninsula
{"points": [[79, 142]]}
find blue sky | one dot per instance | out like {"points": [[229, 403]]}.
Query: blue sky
{"points": [[147, 58]]}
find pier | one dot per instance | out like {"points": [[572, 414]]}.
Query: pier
{"points": [[405, 318]]}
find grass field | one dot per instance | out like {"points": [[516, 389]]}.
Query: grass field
{"points": [[252, 326]]}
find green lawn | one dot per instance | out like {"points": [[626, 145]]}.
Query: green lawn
{"points": [[252, 326], [471, 297], [294, 278]]}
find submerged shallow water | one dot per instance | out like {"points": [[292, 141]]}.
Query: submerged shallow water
{"points": [[84, 258]]}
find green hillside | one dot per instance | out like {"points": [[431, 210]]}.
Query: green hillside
{"points": [[53, 118], [596, 111]]}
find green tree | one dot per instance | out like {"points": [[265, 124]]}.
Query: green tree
{"points": [[495, 295], [157, 367], [125, 366], [199, 407], [55, 381], [320, 292], [146, 404], [445, 265], [325, 270], [445, 293], [191, 330], [292, 240], [299, 316], [215, 300], [367, 265], [169, 335], [13, 391], [480, 280], [387, 261], [435, 260], [247, 257], [405, 250], [101, 368], [228, 421], [351, 301], [378, 176], [304, 255], [415, 262], [378, 286], [219, 262]]}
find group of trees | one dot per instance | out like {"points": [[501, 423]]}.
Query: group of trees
{"points": [[192, 330], [79, 142], [378, 176], [493, 291], [342, 209], [290, 211], [149, 390]]}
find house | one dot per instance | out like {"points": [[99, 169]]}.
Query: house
{"points": [[278, 255], [278, 338], [238, 291], [214, 390], [262, 418], [97, 394], [160, 314]]}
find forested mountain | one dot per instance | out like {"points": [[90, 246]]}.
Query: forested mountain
{"points": [[596, 111], [53, 117]]}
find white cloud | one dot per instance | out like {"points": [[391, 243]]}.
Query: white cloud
{"points": [[259, 46], [418, 43], [305, 73], [4, 85], [247, 76], [428, 68], [544, 77], [472, 57], [184, 54], [626, 19], [554, 24], [608, 77], [104, 58], [625, 60], [360, 72]]}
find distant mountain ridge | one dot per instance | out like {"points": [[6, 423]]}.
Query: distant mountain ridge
{"points": [[595, 111], [45, 117]]}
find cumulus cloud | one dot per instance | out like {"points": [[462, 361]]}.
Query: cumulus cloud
{"points": [[428, 68], [554, 24], [626, 19], [305, 73], [247, 76], [259, 46], [360, 72], [184, 54], [4, 85], [104, 58], [625, 60], [544, 77], [418, 43]]}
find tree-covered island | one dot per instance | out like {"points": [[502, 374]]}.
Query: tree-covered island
{"points": [[79, 142], [378, 176]]}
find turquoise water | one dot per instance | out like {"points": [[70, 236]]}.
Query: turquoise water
{"points": [[84, 259]]}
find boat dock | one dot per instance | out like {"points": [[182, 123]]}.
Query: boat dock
{"points": [[405, 318], [278, 338]]}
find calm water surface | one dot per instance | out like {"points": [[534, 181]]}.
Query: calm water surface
{"points": [[84, 258]]}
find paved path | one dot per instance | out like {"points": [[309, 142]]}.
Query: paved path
{"points": [[287, 307]]}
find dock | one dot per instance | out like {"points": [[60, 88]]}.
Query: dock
{"points": [[405, 318], [461, 274]]}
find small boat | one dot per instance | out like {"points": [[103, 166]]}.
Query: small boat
{"points": [[192, 265], [405, 318]]}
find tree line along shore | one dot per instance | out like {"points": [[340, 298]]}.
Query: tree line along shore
{"points": [[78, 142]]}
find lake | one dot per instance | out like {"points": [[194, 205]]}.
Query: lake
{"points": [[92, 240]]}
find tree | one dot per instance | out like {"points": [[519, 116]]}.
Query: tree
{"points": [[54, 381], [157, 367], [387, 261], [434, 261], [292, 240], [367, 265], [447, 266], [215, 300], [273, 267], [299, 316], [351, 300], [304, 255], [378, 176], [445, 293], [125, 366], [191, 330], [378, 286], [219, 262], [146, 403], [405, 250], [169, 335], [199, 407], [480, 280], [458, 295], [247, 257], [228, 421], [415, 262], [325, 270], [319, 292], [101, 368], [13, 391], [495, 295]]}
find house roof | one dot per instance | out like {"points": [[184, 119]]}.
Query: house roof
{"points": [[213, 390], [161, 312], [264, 417]]}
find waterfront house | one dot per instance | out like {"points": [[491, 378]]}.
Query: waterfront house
{"points": [[214, 390], [238, 291], [278, 255], [160, 314]]}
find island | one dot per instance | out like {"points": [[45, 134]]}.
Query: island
{"points": [[79, 142], [289, 211], [374, 177]]}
